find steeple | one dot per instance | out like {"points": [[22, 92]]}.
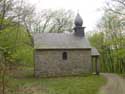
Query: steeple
{"points": [[79, 30]]}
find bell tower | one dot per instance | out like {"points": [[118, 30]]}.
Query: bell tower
{"points": [[79, 29]]}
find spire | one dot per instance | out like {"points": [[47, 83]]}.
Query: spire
{"points": [[79, 30]]}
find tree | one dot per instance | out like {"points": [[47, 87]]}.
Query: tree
{"points": [[54, 21], [116, 6], [112, 43], [13, 17]]}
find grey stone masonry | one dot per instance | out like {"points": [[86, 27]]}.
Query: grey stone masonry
{"points": [[51, 62]]}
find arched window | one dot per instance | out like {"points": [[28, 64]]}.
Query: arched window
{"points": [[64, 55]]}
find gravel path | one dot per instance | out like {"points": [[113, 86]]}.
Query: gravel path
{"points": [[115, 84]]}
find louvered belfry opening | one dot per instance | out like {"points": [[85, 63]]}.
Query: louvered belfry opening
{"points": [[79, 29]]}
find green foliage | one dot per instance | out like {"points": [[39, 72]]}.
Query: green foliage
{"points": [[110, 42], [15, 43], [24, 55], [97, 38]]}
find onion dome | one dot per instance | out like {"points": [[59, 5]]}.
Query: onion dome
{"points": [[78, 20]]}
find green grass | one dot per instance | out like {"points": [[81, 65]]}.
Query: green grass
{"points": [[65, 85], [27, 84]]}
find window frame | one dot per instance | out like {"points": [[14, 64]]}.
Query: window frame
{"points": [[64, 56]]}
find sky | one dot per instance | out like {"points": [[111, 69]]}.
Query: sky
{"points": [[90, 10]]}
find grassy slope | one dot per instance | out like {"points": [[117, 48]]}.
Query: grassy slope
{"points": [[24, 83]]}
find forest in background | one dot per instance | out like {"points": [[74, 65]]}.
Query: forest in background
{"points": [[109, 37], [18, 20]]}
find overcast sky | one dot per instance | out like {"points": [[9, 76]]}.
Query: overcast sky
{"points": [[90, 10]]}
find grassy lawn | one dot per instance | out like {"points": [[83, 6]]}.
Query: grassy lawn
{"points": [[60, 85]]}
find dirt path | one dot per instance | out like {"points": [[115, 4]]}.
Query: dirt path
{"points": [[115, 84]]}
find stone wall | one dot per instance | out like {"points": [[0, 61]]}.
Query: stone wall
{"points": [[51, 63]]}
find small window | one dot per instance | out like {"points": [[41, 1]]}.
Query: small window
{"points": [[64, 56]]}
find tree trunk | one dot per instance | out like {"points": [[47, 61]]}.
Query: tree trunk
{"points": [[3, 81]]}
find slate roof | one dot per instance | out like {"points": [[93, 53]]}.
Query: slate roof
{"points": [[94, 52], [59, 41]]}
